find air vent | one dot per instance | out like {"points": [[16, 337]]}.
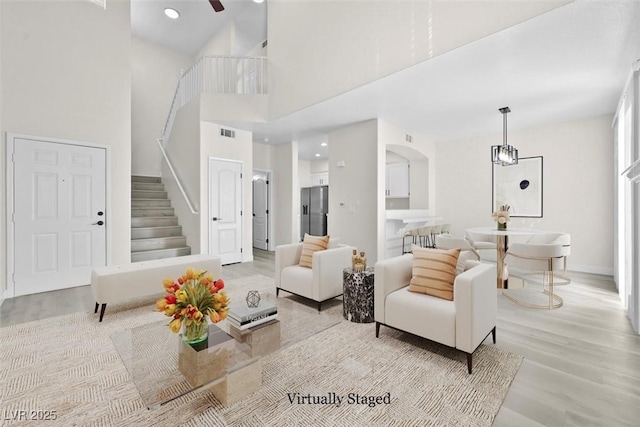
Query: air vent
{"points": [[227, 133], [264, 43], [409, 138]]}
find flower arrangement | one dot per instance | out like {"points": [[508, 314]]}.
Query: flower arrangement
{"points": [[502, 216], [192, 298]]}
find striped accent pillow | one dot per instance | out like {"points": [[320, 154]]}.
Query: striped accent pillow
{"points": [[434, 271], [309, 246]]}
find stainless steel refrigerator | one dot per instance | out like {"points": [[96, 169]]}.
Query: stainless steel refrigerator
{"points": [[314, 206]]}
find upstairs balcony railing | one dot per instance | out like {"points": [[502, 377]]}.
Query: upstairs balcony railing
{"points": [[218, 74], [213, 74]]}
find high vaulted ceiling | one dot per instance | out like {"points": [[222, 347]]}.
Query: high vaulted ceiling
{"points": [[566, 64], [198, 23]]}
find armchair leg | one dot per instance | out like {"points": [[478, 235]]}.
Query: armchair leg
{"points": [[102, 311], [277, 292], [319, 307], [493, 334], [96, 309], [377, 329], [469, 362]]}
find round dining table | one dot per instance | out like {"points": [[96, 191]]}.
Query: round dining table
{"points": [[502, 244]]}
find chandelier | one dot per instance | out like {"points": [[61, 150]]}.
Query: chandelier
{"points": [[504, 154]]}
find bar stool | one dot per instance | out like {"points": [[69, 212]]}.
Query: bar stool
{"points": [[435, 230], [424, 233], [408, 231], [446, 229]]}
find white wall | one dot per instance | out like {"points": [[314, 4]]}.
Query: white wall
{"points": [[318, 166], [183, 149], [222, 44], [319, 49], [155, 71], [353, 198], [419, 183], [239, 148], [421, 153], [578, 183], [3, 236], [286, 193], [263, 156], [66, 73], [304, 175]]}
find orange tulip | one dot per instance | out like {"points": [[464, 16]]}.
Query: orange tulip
{"points": [[168, 284], [215, 317], [223, 314], [175, 325], [170, 309], [161, 304]]}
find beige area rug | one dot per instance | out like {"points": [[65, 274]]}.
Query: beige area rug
{"points": [[68, 366]]}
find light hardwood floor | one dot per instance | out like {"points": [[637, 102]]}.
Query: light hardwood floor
{"points": [[581, 366]]}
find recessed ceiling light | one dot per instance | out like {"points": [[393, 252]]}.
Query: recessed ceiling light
{"points": [[171, 13], [324, 144], [258, 1], [317, 155], [266, 140]]}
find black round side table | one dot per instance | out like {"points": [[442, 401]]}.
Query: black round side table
{"points": [[357, 297]]}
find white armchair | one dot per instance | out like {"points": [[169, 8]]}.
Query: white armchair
{"points": [[534, 258], [320, 283], [463, 323], [484, 244]]}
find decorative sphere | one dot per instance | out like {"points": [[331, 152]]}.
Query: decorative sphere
{"points": [[253, 299]]}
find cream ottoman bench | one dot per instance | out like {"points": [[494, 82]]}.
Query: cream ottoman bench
{"points": [[121, 283]]}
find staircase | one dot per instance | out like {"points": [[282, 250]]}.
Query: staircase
{"points": [[155, 232]]}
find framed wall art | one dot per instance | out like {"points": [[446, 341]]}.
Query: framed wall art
{"points": [[519, 186]]}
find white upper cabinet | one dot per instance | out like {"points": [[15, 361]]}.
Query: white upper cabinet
{"points": [[318, 179], [397, 179]]}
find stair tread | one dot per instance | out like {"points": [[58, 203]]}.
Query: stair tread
{"points": [[158, 238], [163, 216], [161, 250], [154, 228]]}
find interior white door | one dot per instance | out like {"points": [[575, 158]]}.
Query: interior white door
{"points": [[225, 210], [260, 213], [59, 214]]}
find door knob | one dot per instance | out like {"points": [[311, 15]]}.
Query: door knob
{"points": [[100, 213], [98, 223], [215, 218]]}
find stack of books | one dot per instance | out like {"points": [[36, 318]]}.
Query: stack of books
{"points": [[243, 317]]}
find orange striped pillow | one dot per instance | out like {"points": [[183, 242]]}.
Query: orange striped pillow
{"points": [[434, 271], [309, 246]]}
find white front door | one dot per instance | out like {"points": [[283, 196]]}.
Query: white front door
{"points": [[59, 215], [260, 213], [225, 210]]}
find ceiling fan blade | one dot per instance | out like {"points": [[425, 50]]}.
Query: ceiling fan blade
{"points": [[217, 6]]}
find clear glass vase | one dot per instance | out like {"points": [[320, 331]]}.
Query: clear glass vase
{"points": [[196, 332]]}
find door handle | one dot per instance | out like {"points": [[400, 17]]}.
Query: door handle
{"points": [[98, 223], [215, 218]]}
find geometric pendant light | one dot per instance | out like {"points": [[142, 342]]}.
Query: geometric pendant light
{"points": [[504, 154]]}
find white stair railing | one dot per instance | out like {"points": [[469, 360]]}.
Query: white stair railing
{"points": [[213, 74], [218, 74]]}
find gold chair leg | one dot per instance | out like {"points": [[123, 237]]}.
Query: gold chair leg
{"points": [[555, 301]]}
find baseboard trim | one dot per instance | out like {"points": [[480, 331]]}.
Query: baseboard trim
{"points": [[604, 271]]}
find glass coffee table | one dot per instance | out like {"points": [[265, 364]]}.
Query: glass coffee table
{"points": [[229, 363]]}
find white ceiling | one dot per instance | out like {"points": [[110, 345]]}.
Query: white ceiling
{"points": [[198, 23], [569, 63]]}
